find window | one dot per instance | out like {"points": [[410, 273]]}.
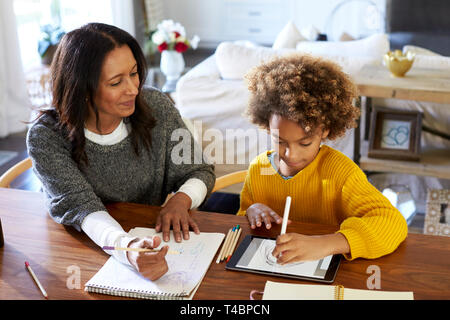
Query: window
{"points": [[69, 14]]}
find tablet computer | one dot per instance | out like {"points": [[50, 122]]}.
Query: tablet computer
{"points": [[254, 254]]}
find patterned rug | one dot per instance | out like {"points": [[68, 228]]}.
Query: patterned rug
{"points": [[6, 156]]}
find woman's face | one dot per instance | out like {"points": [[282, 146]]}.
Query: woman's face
{"points": [[295, 148], [117, 88]]}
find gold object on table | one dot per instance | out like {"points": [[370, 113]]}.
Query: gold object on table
{"points": [[399, 63]]}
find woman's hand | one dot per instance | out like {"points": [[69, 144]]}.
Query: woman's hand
{"points": [[176, 214], [294, 247], [258, 213], [151, 265]]}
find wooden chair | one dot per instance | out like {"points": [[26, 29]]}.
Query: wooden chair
{"points": [[224, 202], [14, 172], [229, 179], [221, 182]]}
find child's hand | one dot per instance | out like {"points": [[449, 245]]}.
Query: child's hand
{"points": [[259, 212], [295, 247]]}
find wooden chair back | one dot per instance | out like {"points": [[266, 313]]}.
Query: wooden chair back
{"points": [[13, 172], [229, 179]]}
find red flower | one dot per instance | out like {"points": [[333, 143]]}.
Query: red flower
{"points": [[162, 47], [181, 47], [177, 34]]}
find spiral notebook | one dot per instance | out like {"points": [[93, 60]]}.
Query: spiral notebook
{"points": [[186, 270], [291, 291]]}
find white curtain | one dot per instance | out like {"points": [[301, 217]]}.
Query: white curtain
{"points": [[123, 15], [14, 102]]}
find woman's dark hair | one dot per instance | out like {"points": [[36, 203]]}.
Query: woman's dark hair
{"points": [[75, 73]]}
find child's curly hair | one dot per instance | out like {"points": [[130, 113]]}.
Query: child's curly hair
{"points": [[308, 90]]}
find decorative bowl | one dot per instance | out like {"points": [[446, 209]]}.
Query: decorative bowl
{"points": [[398, 63]]}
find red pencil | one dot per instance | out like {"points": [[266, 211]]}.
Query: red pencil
{"points": [[44, 293]]}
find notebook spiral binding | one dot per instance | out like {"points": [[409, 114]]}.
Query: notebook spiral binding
{"points": [[139, 294], [339, 292]]}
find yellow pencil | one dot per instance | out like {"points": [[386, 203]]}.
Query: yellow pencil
{"points": [[139, 249]]}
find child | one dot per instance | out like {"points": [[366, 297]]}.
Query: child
{"points": [[301, 101]]}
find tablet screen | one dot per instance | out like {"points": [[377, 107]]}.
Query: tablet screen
{"points": [[255, 255]]}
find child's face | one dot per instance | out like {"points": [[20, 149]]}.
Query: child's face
{"points": [[296, 148]]}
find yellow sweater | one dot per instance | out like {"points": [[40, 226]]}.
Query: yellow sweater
{"points": [[331, 190]]}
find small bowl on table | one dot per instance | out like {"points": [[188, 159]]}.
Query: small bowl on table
{"points": [[398, 62]]}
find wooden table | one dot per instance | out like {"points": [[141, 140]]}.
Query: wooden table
{"points": [[419, 84], [421, 264]]}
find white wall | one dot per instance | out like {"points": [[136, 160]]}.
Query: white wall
{"points": [[219, 20]]}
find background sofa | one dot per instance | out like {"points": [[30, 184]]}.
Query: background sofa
{"points": [[214, 92], [213, 95]]}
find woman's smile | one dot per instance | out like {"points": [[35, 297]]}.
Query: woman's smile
{"points": [[129, 103]]}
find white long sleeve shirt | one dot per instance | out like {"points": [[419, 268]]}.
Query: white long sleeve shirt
{"points": [[103, 229]]}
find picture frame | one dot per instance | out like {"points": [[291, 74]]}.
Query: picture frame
{"points": [[437, 216], [395, 134]]}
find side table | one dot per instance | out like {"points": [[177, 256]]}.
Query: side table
{"points": [[419, 84]]}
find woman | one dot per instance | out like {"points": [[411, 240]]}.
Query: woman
{"points": [[109, 139]]}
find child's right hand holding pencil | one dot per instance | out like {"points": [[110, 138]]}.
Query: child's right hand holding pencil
{"points": [[258, 213]]}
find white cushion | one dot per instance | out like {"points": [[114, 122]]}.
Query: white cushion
{"points": [[428, 59], [373, 46], [419, 50], [432, 62], [234, 61], [352, 65], [246, 43], [288, 37], [310, 32]]}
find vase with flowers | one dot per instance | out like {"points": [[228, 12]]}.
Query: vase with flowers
{"points": [[170, 39]]}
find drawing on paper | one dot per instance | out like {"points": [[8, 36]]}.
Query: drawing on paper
{"points": [[186, 268], [258, 256], [267, 248]]}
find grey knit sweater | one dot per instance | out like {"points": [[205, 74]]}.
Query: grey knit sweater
{"points": [[115, 172]]}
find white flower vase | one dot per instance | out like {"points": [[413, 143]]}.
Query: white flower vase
{"points": [[172, 65]]}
